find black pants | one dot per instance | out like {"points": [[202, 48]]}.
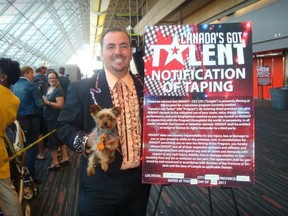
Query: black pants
{"points": [[30, 124], [109, 194], [53, 141]]}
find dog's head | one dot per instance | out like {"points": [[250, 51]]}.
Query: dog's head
{"points": [[105, 118]]}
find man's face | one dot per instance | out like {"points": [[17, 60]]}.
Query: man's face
{"points": [[116, 52], [43, 70]]}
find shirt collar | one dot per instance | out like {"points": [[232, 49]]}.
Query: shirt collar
{"points": [[127, 79], [25, 78]]}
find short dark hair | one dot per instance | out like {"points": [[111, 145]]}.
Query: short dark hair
{"points": [[11, 69], [114, 29], [62, 70]]}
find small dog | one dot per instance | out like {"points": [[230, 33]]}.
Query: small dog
{"points": [[106, 139]]}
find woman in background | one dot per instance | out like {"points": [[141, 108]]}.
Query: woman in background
{"points": [[54, 100]]}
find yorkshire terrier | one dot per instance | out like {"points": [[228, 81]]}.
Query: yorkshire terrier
{"points": [[106, 138]]}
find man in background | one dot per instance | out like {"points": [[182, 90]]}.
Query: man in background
{"points": [[31, 104], [41, 80], [64, 81], [40, 77]]}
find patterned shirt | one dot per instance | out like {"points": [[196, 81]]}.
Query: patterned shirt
{"points": [[123, 93]]}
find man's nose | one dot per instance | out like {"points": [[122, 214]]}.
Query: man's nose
{"points": [[118, 49]]}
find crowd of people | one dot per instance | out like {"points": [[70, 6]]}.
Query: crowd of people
{"points": [[41, 99], [33, 97], [47, 103]]}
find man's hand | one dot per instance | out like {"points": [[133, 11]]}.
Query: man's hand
{"points": [[90, 141]]}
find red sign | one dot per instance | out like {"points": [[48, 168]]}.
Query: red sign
{"points": [[198, 105]]}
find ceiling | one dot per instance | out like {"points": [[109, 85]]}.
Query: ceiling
{"points": [[105, 14], [123, 13], [52, 31]]}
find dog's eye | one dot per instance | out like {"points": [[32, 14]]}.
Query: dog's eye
{"points": [[109, 117]]}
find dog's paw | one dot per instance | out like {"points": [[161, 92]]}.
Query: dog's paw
{"points": [[91, 172], [104, 167]]}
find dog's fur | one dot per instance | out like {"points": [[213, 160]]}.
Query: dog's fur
{"points": [[105, 120]]}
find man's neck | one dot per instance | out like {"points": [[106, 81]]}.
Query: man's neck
{"points": [[118, 75]]}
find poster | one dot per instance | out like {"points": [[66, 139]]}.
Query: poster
{"points": [[198, 105], [263, 75]]}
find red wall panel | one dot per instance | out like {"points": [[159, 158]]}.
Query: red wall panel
{"points": [[275, 64]]}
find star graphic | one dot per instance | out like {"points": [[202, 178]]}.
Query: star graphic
{"points": [[175, 51]]}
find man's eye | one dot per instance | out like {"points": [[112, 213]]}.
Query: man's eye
{"points": [[125, 46]]}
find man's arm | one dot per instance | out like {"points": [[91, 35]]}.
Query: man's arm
{"points": [[70, 121]]}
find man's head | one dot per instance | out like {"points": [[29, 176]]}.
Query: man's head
{"points": [[41, 68], [62, 70], [9, 72], [68, 76], [27, 72], [116, 51]]}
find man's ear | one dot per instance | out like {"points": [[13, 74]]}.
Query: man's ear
{"points": [[3, 77]]}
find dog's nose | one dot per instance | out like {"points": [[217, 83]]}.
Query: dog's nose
{"points": [[105, 123]]}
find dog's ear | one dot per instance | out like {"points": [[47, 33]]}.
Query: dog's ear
{"points": [[94, 108], [117, 110]]}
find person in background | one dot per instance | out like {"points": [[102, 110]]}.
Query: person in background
{"points": [[68, 77], [9, 74], [54, 100], [41, 80], [29, 114], [119, 191], [64, 81]]}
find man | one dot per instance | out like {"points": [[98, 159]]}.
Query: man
{"points": [[41, 80], [118, 191], [40, 77], [29, 113], [64, 81], [9, 74]]}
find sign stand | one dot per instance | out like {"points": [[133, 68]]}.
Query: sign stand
{"points": [[158, 198], [233, 197], [210, 200]]}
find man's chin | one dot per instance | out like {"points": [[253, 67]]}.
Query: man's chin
{"points": [[120, 69]]}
